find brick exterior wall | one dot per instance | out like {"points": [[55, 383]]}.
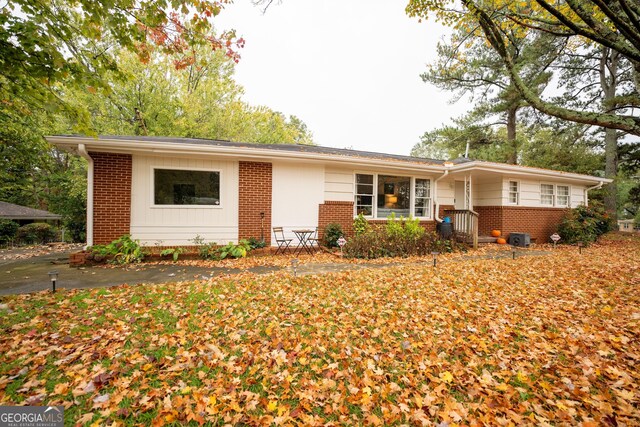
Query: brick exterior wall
{"points": [[334, 211], [540, 223], [111, 196], [255, 197]]}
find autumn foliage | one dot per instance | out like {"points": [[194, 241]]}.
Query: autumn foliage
{"points": [[539, 340]]}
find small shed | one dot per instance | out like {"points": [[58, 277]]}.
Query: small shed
{"points": [[625, 225], [25, 215]]}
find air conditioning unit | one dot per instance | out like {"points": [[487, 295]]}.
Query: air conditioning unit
{"points": [[520, 239]]}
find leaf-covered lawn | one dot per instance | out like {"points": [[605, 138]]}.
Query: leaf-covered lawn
{"points": [[537, 340]]}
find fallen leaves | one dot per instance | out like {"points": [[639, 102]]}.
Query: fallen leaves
{"points": [[543, 340]]}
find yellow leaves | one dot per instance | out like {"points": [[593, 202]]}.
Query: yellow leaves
{"points": [[446, 377], [272, 405]]}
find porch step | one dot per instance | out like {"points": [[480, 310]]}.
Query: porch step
{"points": [[466, 238]]}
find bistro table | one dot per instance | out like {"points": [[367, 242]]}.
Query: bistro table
{"points": [[303, 236]]}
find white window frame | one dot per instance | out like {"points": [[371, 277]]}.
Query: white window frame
{"points": [[509, 192], [152, 175], [373, 194], [374, 210], [568, 195], [553, 194]]}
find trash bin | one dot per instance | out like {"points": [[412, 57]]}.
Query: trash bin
{"points": [[445, 229]]}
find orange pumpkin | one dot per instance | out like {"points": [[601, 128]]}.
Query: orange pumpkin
{"points": [[501, 241], [495, 233]]}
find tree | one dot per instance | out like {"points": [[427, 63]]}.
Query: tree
{"points": [[611, 24], [44, 45], [200, 100]]}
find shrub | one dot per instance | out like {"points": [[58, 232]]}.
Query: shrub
{"points": [[174, 252], [332, 232], [123, 250], [8, 230], [230, 250], [37, 232], [255, 243], [361, 225], [389, 242], [585, 224]]}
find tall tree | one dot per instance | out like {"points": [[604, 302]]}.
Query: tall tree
{"points": [[45, 44], [613, 24]]}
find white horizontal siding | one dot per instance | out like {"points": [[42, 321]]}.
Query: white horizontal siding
{"points": [[530, 192], [298, 191], [446, 191], [487, 192], [338, 185], [177, 225]]}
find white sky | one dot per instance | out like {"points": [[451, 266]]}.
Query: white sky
{"points": [[348, 68]]}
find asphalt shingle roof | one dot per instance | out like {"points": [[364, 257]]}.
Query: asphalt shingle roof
{"points": [[11, 211]]}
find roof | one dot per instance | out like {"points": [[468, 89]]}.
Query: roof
{"points": [[170, 146], [299, 148], [11, 211]]}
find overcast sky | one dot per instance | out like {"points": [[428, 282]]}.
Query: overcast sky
{"points": [[350, 69]]}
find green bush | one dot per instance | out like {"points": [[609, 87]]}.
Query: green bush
{"points": [[174, 252], [230, 250], [585, 224], [332, 232], [361, 225], [403, 237], [255, 243], [8, 230], [123, 250], [36, 232]]}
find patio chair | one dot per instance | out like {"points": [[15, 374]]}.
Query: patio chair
{"points": [[283, 243], [314, 241]]}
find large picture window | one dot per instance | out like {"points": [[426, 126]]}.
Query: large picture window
{"points": [[379, 196], [186, 187], [394, 195]]}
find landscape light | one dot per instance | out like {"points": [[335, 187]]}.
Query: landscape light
{"points": [[294, 265], [53, 276], [580, 245], [513, 251], [435, 258]]}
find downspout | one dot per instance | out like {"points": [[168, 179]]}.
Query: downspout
{"points": [[586, 192], [82, 150], [435, 195]]}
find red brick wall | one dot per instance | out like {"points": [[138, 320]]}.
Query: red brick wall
{"points": [[255, 197], [334, 211], [111, 196], [540, 223]]}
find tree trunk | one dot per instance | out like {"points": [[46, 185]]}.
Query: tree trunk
{"points": [[608, 82], [511, 134]]}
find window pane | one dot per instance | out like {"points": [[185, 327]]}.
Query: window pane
{"points": [[364, 179], [364, 189], [513, 186], [394, 195], [185, 187], [423, 188], [563, 190], [423, 207]]}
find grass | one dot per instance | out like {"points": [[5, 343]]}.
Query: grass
{"points": [[549, 339]]}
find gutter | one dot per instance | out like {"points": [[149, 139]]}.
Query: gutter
{"points": [[586, 192], [82, 150], [436, 214]]}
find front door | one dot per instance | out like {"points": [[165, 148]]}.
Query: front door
{"points": [[461, 200]]}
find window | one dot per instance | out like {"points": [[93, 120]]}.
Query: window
{"points": [[379, 196], [514, 192], [562, 198], [394, 196], [364, 195], [186, 187], [422, 206], [546, 194]]}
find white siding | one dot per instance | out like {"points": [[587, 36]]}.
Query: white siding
{"points": [[530, 192], [338, 185], [446, 191], [487, 192], [298, 190], [177, 225]]}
